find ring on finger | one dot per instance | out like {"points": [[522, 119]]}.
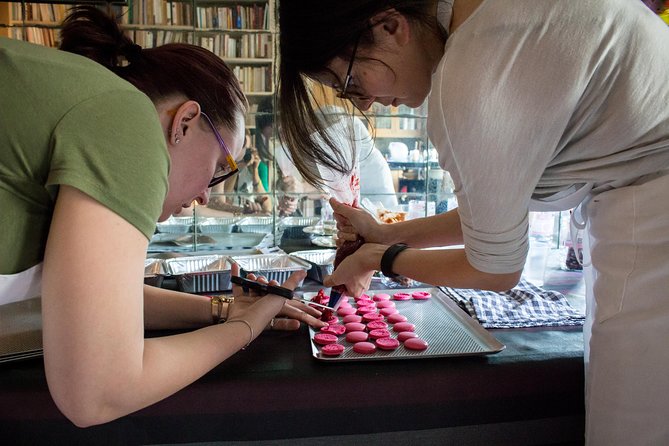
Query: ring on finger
{"points": [[271, 324]]}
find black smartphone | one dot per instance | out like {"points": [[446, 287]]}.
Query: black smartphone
{"points": [[262, 287]]}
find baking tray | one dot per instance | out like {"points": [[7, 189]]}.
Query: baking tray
{"points": [[448, 330], [322, 261], [200, 274], [175, 225], [273, 266], [216, 225], [262, 225], [154, 272], [176, 242], [293, 226]]}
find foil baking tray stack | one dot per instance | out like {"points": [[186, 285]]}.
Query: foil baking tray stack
{"points": [[216, 225], [322, 261], [201, 274], [273, 266], [175, 225], [293, 226], [259, 225], [154, 272]]}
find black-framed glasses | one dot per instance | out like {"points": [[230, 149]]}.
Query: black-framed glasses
{"points": [[222, 172], [343, 93]]}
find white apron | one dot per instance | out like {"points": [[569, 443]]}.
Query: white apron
{"points": [[21, 286], [626, 334]]}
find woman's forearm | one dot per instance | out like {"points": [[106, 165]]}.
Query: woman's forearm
{"points": [[159, 367], [440, 267], [437, 230], [166, 309]]}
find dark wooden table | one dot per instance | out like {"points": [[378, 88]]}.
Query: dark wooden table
{"points": [[276, 390]]}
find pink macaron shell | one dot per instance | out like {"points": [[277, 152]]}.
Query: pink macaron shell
{"points": [[421, 295], [396, 317], [365, 309], [373, 325], [332, 349], [401, 296], [355, 326], [381, 296], [356, 336], [415, 344], [387, 343], [366, 348], [388, 311], [385, 304], [404, 335], [373, 316], [335, 329], [325, 338], [404, 326], [346, 311], [352, 318], [379, 333]]}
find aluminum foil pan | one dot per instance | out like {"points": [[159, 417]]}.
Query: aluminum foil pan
{"points": [[216, 225], [154, 272], [273, 266], [175, 225], [200, 274], [261, 225], [322, 261], [293, 226]]}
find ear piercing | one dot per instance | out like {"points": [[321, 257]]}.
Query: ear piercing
{"points": [[177, 140]]}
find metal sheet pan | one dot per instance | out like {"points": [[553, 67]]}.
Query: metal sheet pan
{"points": [[448, 330]]}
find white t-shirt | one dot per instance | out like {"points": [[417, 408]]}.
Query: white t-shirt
{"points": [[536, 97]]}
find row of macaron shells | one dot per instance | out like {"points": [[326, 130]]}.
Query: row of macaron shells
{"points": [[366, 323]]}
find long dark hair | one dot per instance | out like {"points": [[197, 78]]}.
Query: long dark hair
{"points": [[161, 72], [310, 37]]}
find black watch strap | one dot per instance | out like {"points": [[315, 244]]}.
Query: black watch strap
{"points": [[388, 259]]}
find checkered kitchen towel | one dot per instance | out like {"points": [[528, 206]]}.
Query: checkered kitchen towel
{"points": [[526, 305]]}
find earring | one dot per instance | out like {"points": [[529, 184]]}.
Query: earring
{"points": [[177, 140]]}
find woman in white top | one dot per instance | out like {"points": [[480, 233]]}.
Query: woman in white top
{"points": [[533, 105]]}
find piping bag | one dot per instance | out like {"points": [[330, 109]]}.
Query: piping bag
{"points": [[347, 192]]}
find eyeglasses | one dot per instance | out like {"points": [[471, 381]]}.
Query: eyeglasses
{"points": [[222, 172], [344, 93]]}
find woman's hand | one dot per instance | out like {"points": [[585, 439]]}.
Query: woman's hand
{"points": [[287, 205], [291, 312], [355, 271], [352, 222]]}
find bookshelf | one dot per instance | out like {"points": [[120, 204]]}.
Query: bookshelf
{"points": [[241, 32]]}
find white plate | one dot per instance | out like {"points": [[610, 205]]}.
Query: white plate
{"points": [[326, 242]]}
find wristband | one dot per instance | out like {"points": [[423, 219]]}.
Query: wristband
{"points": [[388, 259]]}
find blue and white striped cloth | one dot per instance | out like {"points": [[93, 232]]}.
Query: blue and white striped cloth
{"points": [[526, 305]]}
